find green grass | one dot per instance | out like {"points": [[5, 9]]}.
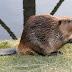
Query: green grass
{"points": [[29, 63]]}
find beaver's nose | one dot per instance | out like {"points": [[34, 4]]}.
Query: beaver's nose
{"points": [[69, 41]]}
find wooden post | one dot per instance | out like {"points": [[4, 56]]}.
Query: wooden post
{"points": [[28, 9]]}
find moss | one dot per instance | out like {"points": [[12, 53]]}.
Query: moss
{"points": [[9, 43]]}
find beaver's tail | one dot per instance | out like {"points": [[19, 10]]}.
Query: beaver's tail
{"points": [[7, 51]]}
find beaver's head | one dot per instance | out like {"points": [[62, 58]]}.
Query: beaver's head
{"points": [[65, 26]]}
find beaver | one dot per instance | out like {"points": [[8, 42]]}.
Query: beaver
{"points": [[44, 35]]}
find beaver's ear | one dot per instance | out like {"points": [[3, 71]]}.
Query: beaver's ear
{"points": [[59, 22]]}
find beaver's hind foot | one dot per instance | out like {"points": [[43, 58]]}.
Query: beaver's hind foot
{"points": [[55, 53]]}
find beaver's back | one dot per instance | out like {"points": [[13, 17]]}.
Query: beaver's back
{"points": [[40, 28]]}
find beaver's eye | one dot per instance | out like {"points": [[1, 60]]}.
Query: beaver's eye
{"points": [[69, 21], [59, 22]]}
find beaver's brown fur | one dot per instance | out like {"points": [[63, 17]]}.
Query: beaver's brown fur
{"points": [[44, 34]]}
